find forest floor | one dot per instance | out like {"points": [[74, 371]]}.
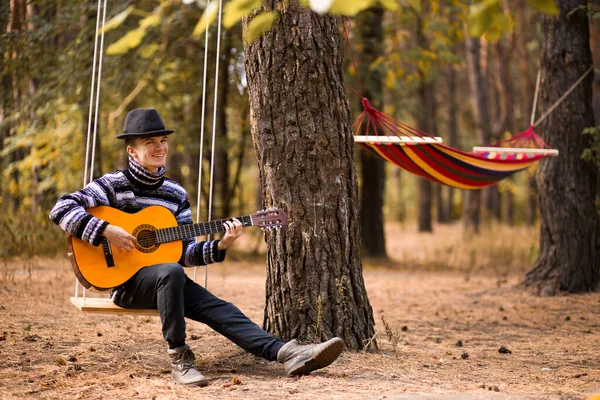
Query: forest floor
{"points": [[447, 333]]}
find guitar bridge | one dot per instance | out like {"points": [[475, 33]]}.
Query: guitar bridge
{"points": [[108, 256]]}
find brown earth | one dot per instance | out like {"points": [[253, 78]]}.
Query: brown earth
{"points": [[443, 333]]}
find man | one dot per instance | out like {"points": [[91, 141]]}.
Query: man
{"points": [[165, 286]]}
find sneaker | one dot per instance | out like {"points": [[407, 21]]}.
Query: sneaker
{"points": [[183, 364], [303, 359]]}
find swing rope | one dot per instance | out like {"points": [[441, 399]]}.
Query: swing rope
{"points": [[202, 115], [93, 115], [214, 126], [91, 136]]}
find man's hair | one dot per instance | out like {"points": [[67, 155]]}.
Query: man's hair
{"points": [[129, 141]]}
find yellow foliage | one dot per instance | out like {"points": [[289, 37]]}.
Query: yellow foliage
{"points": [[351, 8], [260, 24], [148, 51], [133, 38], [209, 16], [545, 6], [235, 10], [117, 20]]}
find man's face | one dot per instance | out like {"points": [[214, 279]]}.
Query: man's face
{"points": [[150, 152]]}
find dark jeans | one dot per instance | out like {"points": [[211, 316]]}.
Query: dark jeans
{"points": [[167, 288]]}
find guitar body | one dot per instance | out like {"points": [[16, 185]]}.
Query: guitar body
{"points": [[90, 262]]}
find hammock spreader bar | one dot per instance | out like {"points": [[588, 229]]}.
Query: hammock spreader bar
{"points": [[424, 155]]}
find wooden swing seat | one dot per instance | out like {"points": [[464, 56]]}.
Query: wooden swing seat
{"points": [[95, 305]]}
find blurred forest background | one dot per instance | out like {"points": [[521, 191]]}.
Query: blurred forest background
{"points": [[432, 74]]}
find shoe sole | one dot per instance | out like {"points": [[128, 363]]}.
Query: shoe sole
{"points": [[321, 359], [202, 383]]}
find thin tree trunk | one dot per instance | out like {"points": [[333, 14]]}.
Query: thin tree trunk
{"points": [[15, 25], [527, 92], [472, 202], [505, 121], [301, 132], [452, 130], [569, 258], [222, 189], [5, 81], [370, 32], [426, 117]]}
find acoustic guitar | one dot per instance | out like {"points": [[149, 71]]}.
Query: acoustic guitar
{"points": [[158, 240]]}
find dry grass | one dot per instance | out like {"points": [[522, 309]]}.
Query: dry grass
{"points": [[444, 306]]}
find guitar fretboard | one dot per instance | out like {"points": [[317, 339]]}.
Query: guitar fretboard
{"points": [[189, 231]]}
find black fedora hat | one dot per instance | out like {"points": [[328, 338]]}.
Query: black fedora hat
{"points": [[143, 122]]}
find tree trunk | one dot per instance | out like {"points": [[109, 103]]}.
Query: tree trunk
{"points": [[452, 131], [527, 93], [569, 258], [222, 190], [370, 32], [5, 81], [301, 131], [505, 121], [595, 46], [426, 119], [472, 203], [15, 25]]}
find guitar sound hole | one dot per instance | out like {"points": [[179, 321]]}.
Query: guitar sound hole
{"points": [[146, 238]]}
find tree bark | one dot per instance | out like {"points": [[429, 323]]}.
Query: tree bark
{"points": [[301, 131], [370, 32], [569, 258]]}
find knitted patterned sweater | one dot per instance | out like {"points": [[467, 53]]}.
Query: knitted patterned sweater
{"points": [[131, 190]]}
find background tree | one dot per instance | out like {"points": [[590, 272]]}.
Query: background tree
{"points": [[369, 29], [301, 131], [569, 256]]}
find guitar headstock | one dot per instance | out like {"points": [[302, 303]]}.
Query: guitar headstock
{"points": [[269, 218]]}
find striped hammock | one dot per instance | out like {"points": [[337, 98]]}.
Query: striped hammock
{"points": [[425, 156]]}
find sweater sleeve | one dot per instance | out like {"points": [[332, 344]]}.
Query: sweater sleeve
{"points": [[70, 214], [196, 253]]}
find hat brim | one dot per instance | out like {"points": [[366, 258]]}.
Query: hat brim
{"points": [[145, 134]]}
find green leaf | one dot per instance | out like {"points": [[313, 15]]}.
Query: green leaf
{"points": [[350, 8], [545, 6], [210, 14], [259, 25], [118, 19], [235, 10]]}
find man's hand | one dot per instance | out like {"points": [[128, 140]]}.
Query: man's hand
{"points": [[119, 238], [233, 230]]}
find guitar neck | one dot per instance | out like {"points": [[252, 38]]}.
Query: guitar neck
{"points": [[189, 231]]}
